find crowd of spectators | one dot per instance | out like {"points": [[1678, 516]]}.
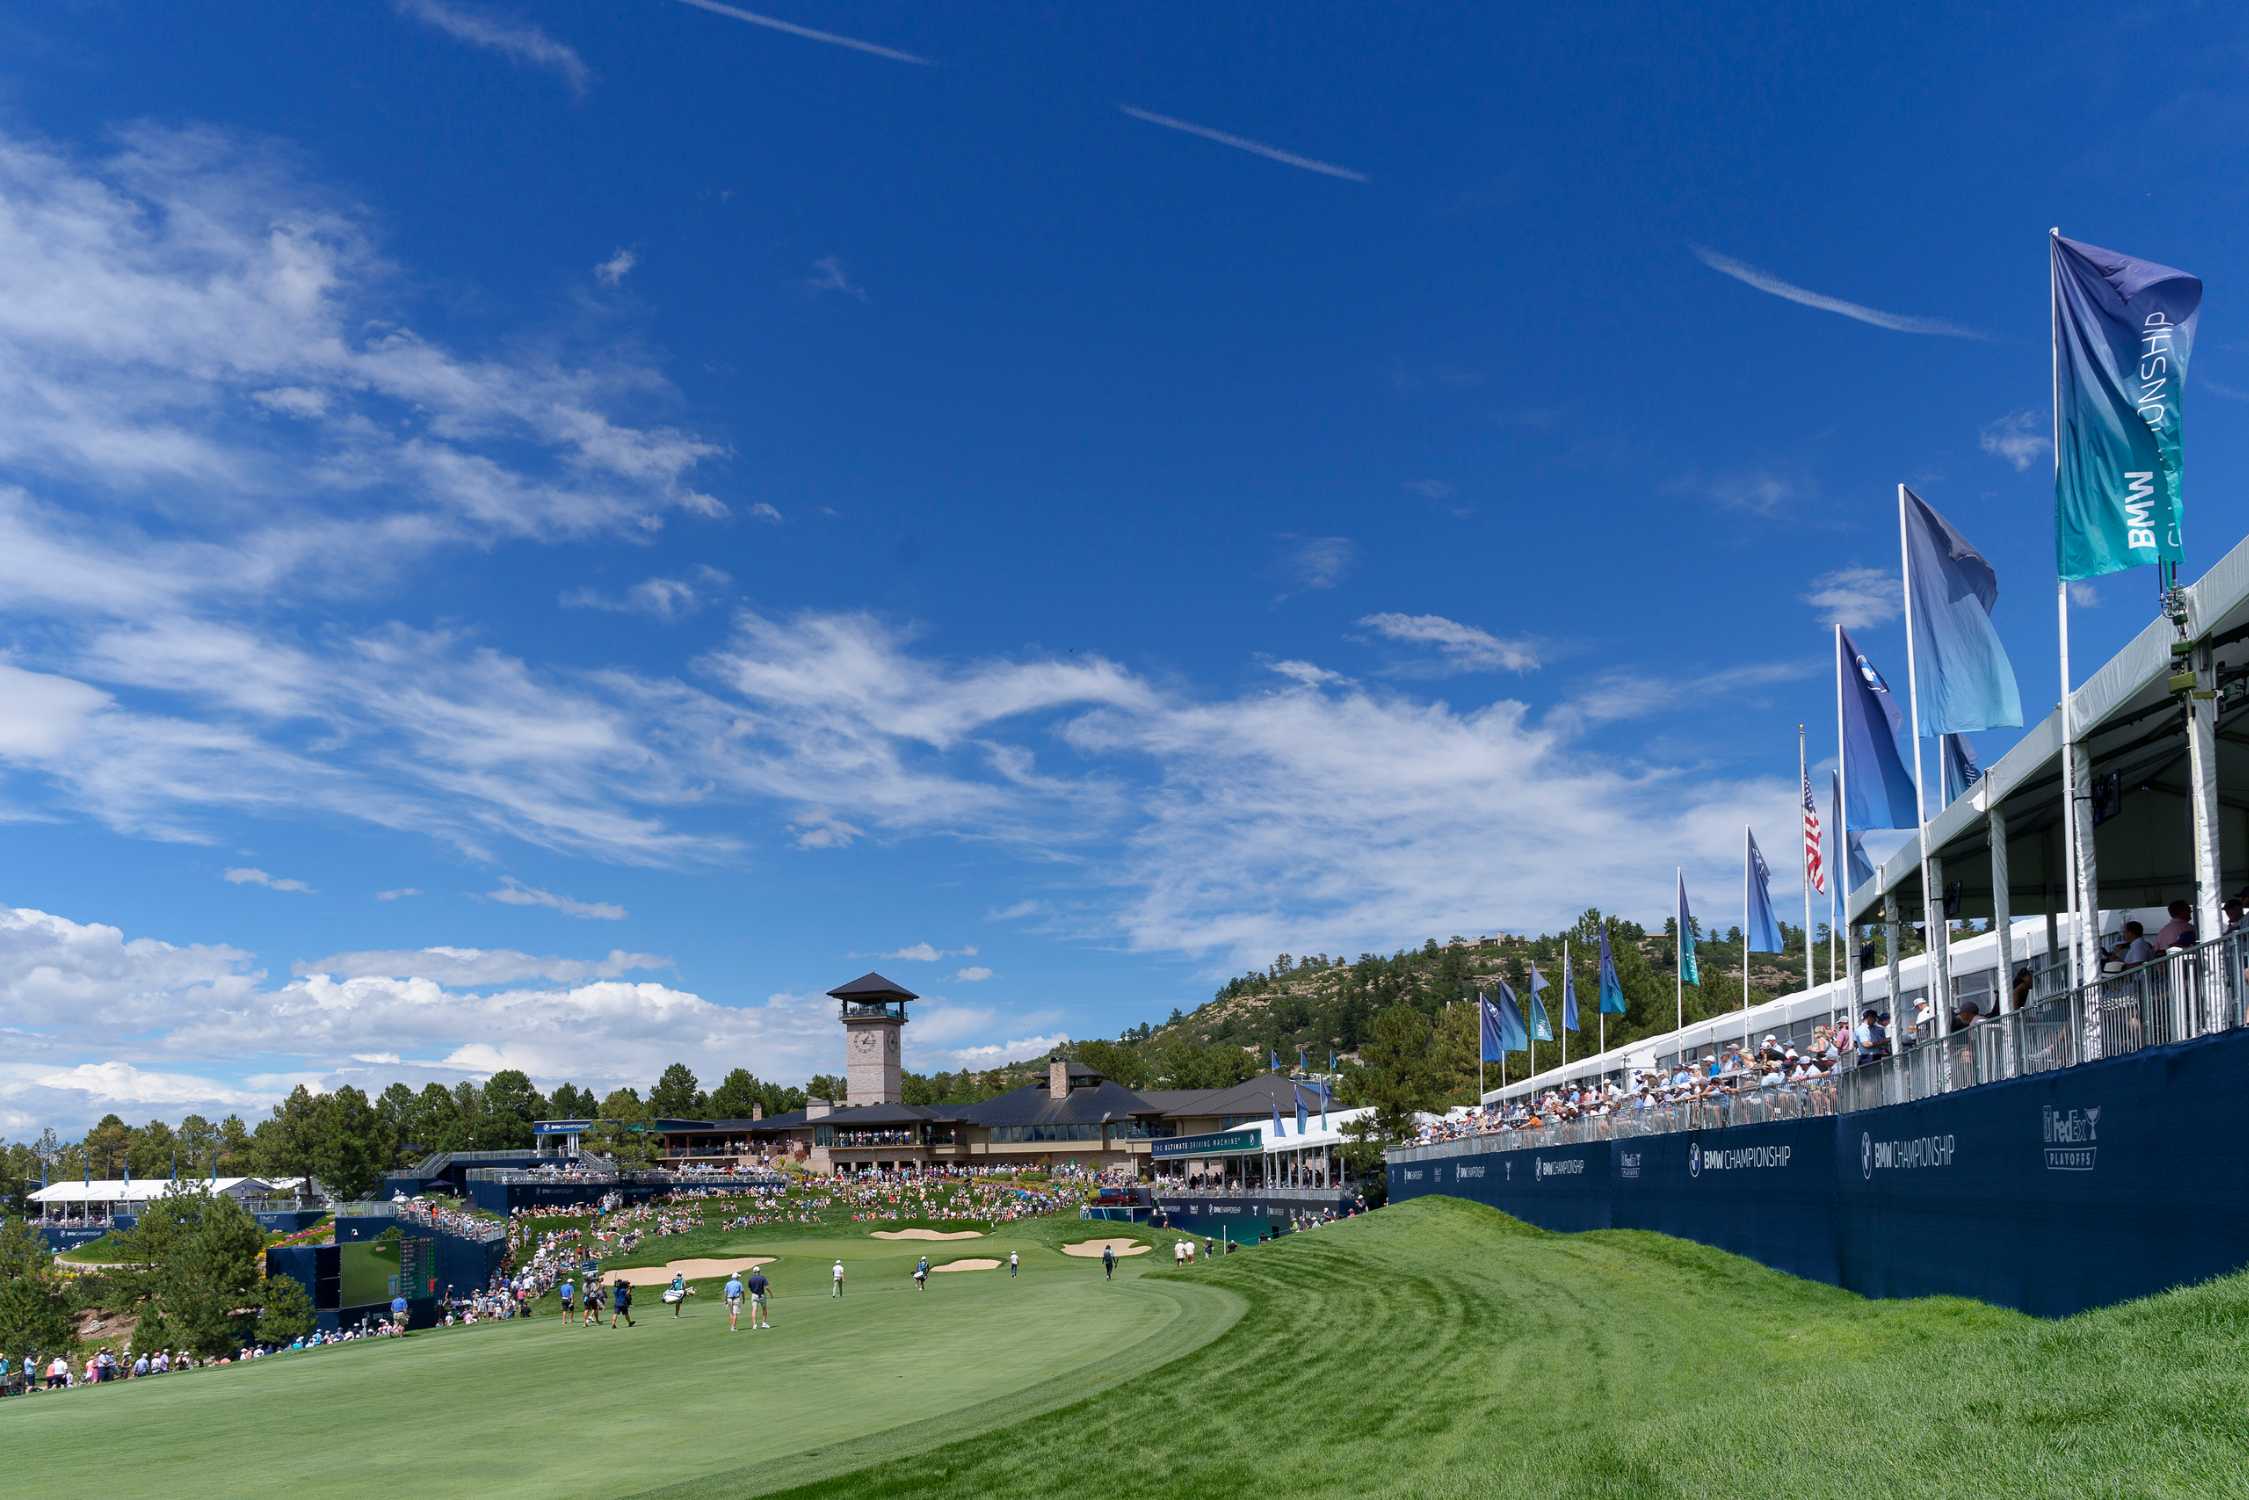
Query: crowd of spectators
{"points": [[36, 1373]]}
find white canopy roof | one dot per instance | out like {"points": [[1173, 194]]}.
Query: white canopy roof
{"points": [[146, 1189]]}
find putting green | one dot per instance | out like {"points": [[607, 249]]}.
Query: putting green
{"points": [[554, 1409]]}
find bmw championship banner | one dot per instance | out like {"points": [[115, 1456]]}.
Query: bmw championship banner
{"points": [[2123, 329]]}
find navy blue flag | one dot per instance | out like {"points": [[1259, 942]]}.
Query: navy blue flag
{"points": [[1878, 785], [1331, 1062], [2123, 330], [1612, 989], [1512, 1036], [1861, 868], [1764, 928], [1569, 1000], [1276, 1117], [1272, 1062], [1487, 1027], [1960, 768], [1966, 680]]}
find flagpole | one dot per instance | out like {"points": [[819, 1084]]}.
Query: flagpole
{"points": [[1843, 822], [2080, 968], [1479, 1049], [1804, 776], [1931, 949], [1565, 1002], [1745, 939]]}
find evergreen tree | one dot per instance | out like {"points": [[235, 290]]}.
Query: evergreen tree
{"points": [[287, 1312], [34, 1311], [202, 1252], [511, 1103], [351, 1145], [677, 1095], [736, 1095]]}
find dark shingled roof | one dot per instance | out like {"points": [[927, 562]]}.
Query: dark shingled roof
{"points": [[1256, 1097], [1034, 1105], [878, 1114], [872, 986]]}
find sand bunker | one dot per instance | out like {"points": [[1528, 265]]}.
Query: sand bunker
{"points": [[694, 1270], [929, 1234], [1091, 1249], [976, 1264]]}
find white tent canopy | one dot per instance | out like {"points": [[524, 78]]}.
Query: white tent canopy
{"points": [[115, 1192]]}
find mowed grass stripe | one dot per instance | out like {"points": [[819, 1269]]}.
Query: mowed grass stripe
{"points": [[1439, 1349]]}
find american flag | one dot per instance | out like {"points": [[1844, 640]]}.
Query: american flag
{"points": [[1815, 869]]}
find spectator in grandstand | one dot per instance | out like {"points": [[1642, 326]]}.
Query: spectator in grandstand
{"points": [[2233, 909], [2132, 948], [2020, 995], [2179, 931]]}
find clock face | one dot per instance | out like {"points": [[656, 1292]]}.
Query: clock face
{"points": [[864, 1041]]}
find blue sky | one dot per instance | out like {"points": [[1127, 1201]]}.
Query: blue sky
{"points": [[549, 536]]}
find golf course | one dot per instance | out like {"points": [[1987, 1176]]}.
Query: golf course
{"points": [[1435, 1348]]}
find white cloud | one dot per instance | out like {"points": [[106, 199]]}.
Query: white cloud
{"points": [[807, 33], [613, 271], [519, 41], [1462, 648], [828, 275], [927, 953], [1429, 489], [2084, 594], [762, 511], [1244, 143], [1317, 562], [1856, 598], [479, 967], [513, 892], [250, 875], [294, 401], [42, 715], [658, 598], [1308, 674], [1767, 282], [399, 894], [1016, 911], [973, 974], [818, 830], [2019, 438]]}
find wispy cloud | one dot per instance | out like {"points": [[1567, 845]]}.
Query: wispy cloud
{"points": [[2018, 438], [790, 28], [828, 275], [513, 892], [929, 953], [761, 511], [973, 974], [518, 40], [614, 270], [1317, 562], [399, 894], [1461, 648], [1016, 911], [2084, 595], [658, 598], [249, 875], [1788, 291], [1855, 598], [478, 966], [1309, 674], [1238, 142]]}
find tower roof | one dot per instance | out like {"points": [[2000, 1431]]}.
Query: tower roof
{"points": [[872, 986]]}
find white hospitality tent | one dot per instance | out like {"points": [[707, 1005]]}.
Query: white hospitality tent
{"points": [[105, 1197]]}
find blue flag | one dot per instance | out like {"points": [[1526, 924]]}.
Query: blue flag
{"points": [[1878, 785], [1966, 680], [1494, 1046], [1300, 1112], [1331, 1062], [1690, 972], [1569, 1000], [1764, 929], [1861, 869], [1541, 1029], [1612, 989], [1512, 1036], [1272, 1063], [1276, 1117], [1961, 771], [2123, 330], [1303, 1064]]}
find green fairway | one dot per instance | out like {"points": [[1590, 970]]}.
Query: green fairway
{"points": [[1434, 1349], [544, 1408]]}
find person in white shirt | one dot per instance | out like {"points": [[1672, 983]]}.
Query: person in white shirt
{"points": [[836, 1288]]}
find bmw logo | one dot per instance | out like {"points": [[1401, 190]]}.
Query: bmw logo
{"points": [[1694, 1158], [1866, 1155]]}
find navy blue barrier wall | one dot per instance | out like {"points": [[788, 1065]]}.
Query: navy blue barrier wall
{"points": [[1244, 1220], [2050, 1194]]}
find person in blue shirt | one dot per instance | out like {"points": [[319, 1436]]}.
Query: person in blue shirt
{"points": [[678, 1297], [734, 1302], [621, 1302], [760, 1291], [921, 1275], [569, 1291], [398, 1312]]}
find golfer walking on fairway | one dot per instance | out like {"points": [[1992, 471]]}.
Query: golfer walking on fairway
{"points": [[621, 1302], [836, 1289], [1108, 1263], [734, 1303]]}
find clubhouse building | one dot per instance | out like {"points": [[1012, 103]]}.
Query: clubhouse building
{"points": [[1075, 1117]]}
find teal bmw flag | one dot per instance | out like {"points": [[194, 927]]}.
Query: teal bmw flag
{"points": [[1612, 988], [1540, 1027], [2123, 330], [1764, 928], [1569, 1000], [1966, 680], [1690, 972]]}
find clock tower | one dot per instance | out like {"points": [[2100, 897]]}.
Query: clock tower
{"points": [[872, 1010]]}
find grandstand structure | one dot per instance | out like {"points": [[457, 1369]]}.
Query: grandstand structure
{"points": [[2064, 1147]]}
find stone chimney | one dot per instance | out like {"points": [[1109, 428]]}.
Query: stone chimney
{"points": [[1058, 1077], [757, 1110], [815, 1108]]}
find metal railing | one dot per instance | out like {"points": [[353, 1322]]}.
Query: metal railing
{"points": [[2187, 993]]}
